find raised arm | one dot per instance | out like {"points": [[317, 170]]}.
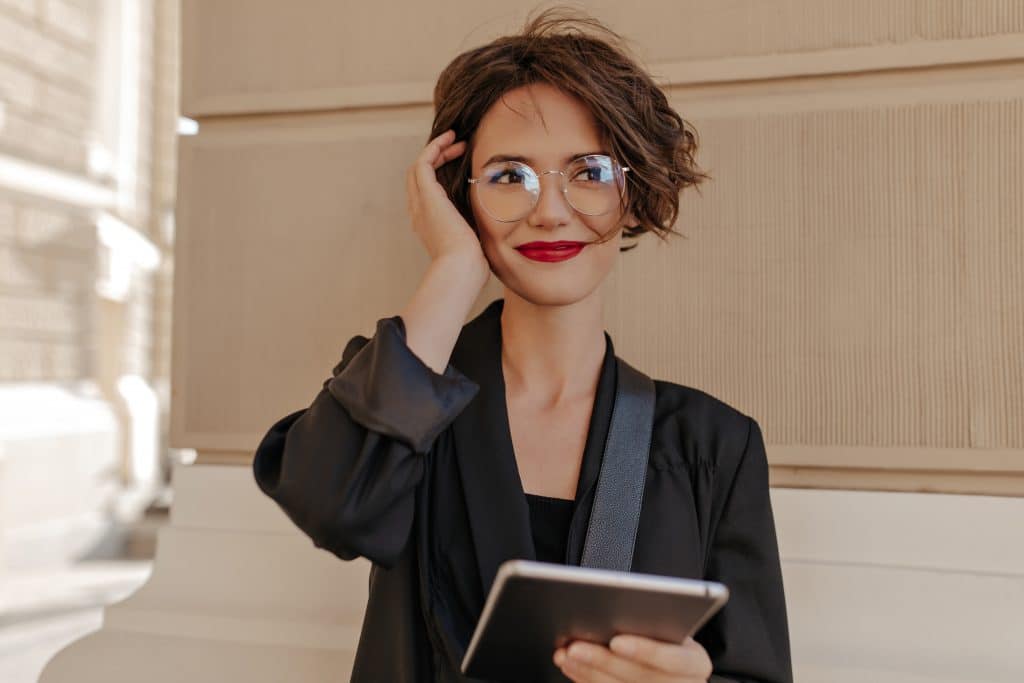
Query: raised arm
{"points": [[345, 469]]}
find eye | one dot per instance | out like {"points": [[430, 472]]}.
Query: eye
{"points": [[508, 177], [591, 173], [508, 174]]}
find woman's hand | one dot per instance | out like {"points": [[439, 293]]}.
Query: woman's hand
{"points": [[632, 659], [439, 225]]}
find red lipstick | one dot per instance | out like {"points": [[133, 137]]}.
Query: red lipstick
{"points": [[550, 251]]}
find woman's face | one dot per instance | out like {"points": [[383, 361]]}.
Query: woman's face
{"points": [[568, 130]]}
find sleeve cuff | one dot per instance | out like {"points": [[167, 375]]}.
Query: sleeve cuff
{"points": [[388, 389]]}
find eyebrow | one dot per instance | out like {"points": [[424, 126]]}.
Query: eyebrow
{"points": [[529, 162]]}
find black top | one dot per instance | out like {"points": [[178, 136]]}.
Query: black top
{"points": [[549, 525], [415, 471]]}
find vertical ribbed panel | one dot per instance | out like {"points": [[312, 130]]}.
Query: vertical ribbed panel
{"points": [[755, 27], [994, 264], [852, 277]]}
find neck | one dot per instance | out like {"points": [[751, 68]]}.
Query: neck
{"points": [[552, 352]]}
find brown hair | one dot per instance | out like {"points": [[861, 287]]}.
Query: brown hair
{"points": [[642, 130]]}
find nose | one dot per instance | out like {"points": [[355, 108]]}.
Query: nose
{"points": [[551, 209]]}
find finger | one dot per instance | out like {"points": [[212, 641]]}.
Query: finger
{"points": [[599, 664], [426, 179], [581, 673], [433, 149], [443, 137], [688, 658], [449, 153]]}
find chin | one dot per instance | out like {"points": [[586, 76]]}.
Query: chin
{"points": [[544, 298], [550, 288]]}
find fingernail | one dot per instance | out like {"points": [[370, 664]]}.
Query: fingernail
{"points": [[579, 653], [623, 645]]}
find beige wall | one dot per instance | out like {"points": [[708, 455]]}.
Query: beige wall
{"points": [[851, 275]]}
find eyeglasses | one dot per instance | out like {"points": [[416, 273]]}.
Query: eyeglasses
{"points": [[508, 190]]}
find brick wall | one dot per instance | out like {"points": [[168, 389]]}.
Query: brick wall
{"points": [[47, 79], [78, 77]]}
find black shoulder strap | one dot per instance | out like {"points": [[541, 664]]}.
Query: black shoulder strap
{"points": [[615, 514]]}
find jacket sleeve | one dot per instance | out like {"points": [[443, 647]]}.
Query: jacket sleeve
{"points": [[346, 468], [748, 640]]}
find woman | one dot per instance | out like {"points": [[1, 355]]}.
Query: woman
{"points": [[438, 450]]}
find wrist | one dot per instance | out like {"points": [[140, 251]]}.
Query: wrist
{"points": [[471, 267]]}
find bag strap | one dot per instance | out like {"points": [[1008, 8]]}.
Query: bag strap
{"points": [[615, 515]]}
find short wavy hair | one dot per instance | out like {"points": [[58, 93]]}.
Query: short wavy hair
{"points": [[582, 57]]}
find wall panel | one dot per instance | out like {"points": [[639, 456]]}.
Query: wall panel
{"points": [[294, 239], [377, 54], [851, 276]]}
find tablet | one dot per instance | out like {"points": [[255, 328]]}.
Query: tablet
{"points": [[536, 607]]}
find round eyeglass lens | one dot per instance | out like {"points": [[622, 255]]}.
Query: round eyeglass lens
{"points": [[594, 185], [509, 190]]}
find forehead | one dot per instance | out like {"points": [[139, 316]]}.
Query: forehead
{"points": [[537, 121]]}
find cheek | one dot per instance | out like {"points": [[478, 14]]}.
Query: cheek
{"points": [[489, 231], [606, 255], [603, 254], [480, 218], [604, 226]]}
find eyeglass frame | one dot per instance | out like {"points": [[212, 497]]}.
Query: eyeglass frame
{"points": [[564, 185]]}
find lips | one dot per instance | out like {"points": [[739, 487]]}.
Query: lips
{"points": [[550, 251]]}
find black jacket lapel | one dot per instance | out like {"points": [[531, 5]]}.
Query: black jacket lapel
{"points": [[496, 505], [499, 517]]}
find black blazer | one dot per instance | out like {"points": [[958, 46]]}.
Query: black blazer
{"points": [[415, 471]]}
